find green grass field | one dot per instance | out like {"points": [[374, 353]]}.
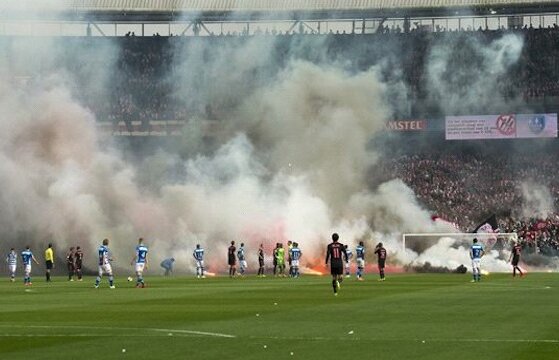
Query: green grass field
{"points": [[419, 316]]}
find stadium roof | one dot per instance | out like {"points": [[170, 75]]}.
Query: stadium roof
{"points": [[172, 10]]}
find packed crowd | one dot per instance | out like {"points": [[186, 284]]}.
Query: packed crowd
{"points": [[145, 89], [538, 235], [463, 187]]}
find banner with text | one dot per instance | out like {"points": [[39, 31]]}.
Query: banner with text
{"points": [[504, 126]]}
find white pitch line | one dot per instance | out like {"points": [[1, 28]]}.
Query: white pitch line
{"points": [[320, 338], [181, 332], [89, 335], [178, 331], [551, 341], [193, 332]]}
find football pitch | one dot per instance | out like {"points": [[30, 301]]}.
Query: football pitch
{"points": [[409, 316]]}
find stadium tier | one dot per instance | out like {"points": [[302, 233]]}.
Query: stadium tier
{"points": [[143, 91]]}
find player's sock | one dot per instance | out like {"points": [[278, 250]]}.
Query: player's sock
{"points": [[97, 280], [48, 275], [335, 286], [111, 280], [382, 274]]}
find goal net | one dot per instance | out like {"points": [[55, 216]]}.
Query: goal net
{"points": [[437, 252]]}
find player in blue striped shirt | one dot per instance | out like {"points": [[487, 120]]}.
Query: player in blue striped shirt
{"points": [[348, 261], [476, 253], [360, 256], [141, 260], [199, 258], [295, 255], [26, 258], [242, 259], [104, 263], [11, 259]]}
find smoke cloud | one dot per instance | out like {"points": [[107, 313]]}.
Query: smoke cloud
{"points": [[537, 200], [476, 82], [289, 160]]}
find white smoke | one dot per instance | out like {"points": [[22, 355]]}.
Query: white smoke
{"points": [[464, 74], [289, 163], [537, 200]]}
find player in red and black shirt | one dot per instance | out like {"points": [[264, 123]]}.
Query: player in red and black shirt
{"points": [[336, 254], [78, 256], [515, 258], [71, 264], [381, 254], [231, 259], [261, 260]]}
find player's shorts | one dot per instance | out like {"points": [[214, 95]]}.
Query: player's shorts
{"points": [[261, 262], [105, 268], [346, 265], [71, 266], [48, 264], [199, 263], [337, 269], [381, 264], [295, 263], [360, 263], [27, 269], [12, 268], [515, 261], [476, 263], [140, 267], [231, 261], [243, 263], [78, 265]]}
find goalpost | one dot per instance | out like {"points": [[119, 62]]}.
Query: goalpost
{"points": [[487, 239]]}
